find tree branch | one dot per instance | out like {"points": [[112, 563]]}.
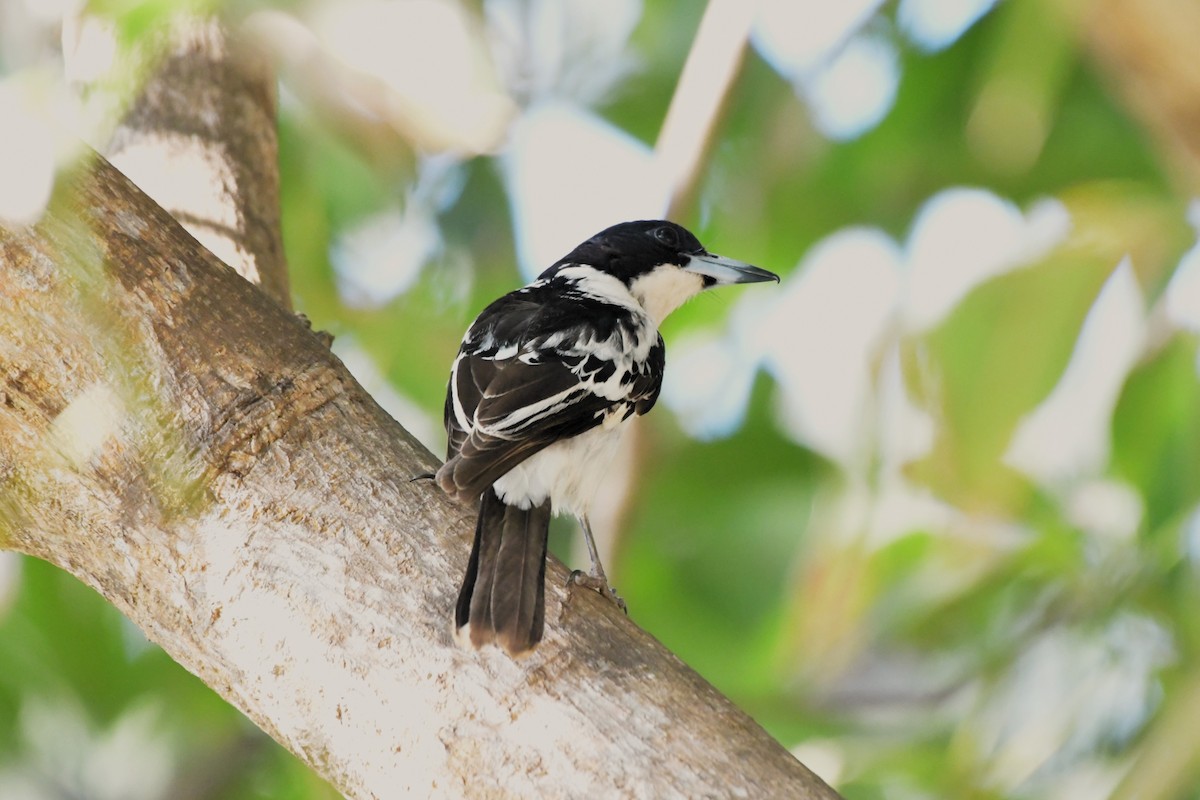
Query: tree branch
{"points": [[184, 445], [200, 139]]}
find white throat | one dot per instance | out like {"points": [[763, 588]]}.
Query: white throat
{"points": [[664, 289]]}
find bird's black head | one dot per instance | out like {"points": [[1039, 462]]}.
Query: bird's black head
{"points": [[661, 263], [631, 249]]}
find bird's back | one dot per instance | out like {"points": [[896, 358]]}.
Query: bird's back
{"points": [[544, 363]]}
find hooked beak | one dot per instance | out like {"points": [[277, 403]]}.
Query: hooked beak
{"points": [[721, 271]]}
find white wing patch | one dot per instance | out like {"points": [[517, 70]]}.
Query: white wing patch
{"points": [[460, 413], [505, 427], [506, 352]]}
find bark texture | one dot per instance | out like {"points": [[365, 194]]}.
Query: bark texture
{"points": [[200, 139], [179, 441]]}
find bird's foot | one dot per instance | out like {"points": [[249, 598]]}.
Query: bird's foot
{"points": [[599, 584]]}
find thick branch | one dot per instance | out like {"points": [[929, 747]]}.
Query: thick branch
{"points": [[188, 448], [200, 139]]}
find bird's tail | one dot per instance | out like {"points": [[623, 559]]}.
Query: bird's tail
{"points": [[502, 599]]}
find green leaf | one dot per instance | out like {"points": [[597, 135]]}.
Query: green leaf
{"points": [[996, 357], [1003, 349], [1156, 432]]}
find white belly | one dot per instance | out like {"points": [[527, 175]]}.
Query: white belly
{"points": [[568, 472]]}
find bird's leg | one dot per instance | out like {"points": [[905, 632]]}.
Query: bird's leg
{"points": [[595, 577]]}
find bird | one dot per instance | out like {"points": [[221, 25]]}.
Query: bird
{"points": [[545, 379]]}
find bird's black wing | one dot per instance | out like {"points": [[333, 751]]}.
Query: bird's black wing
{"points": [[522, 381], [521, 409]]}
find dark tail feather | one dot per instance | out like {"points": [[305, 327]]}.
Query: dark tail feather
{"points": [[503, 593]]}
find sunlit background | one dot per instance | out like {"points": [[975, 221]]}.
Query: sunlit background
{"points": [[928, 510]]}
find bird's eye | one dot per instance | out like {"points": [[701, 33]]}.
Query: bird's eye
{"points": [[667, 236]]}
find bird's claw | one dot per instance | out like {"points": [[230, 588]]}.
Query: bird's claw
{"points": [[599, 584]]}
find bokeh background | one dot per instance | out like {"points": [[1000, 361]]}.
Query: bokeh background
{"points": [[928, 510]]}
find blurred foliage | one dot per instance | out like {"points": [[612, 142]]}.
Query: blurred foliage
{"points": [[1021, 634]]}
